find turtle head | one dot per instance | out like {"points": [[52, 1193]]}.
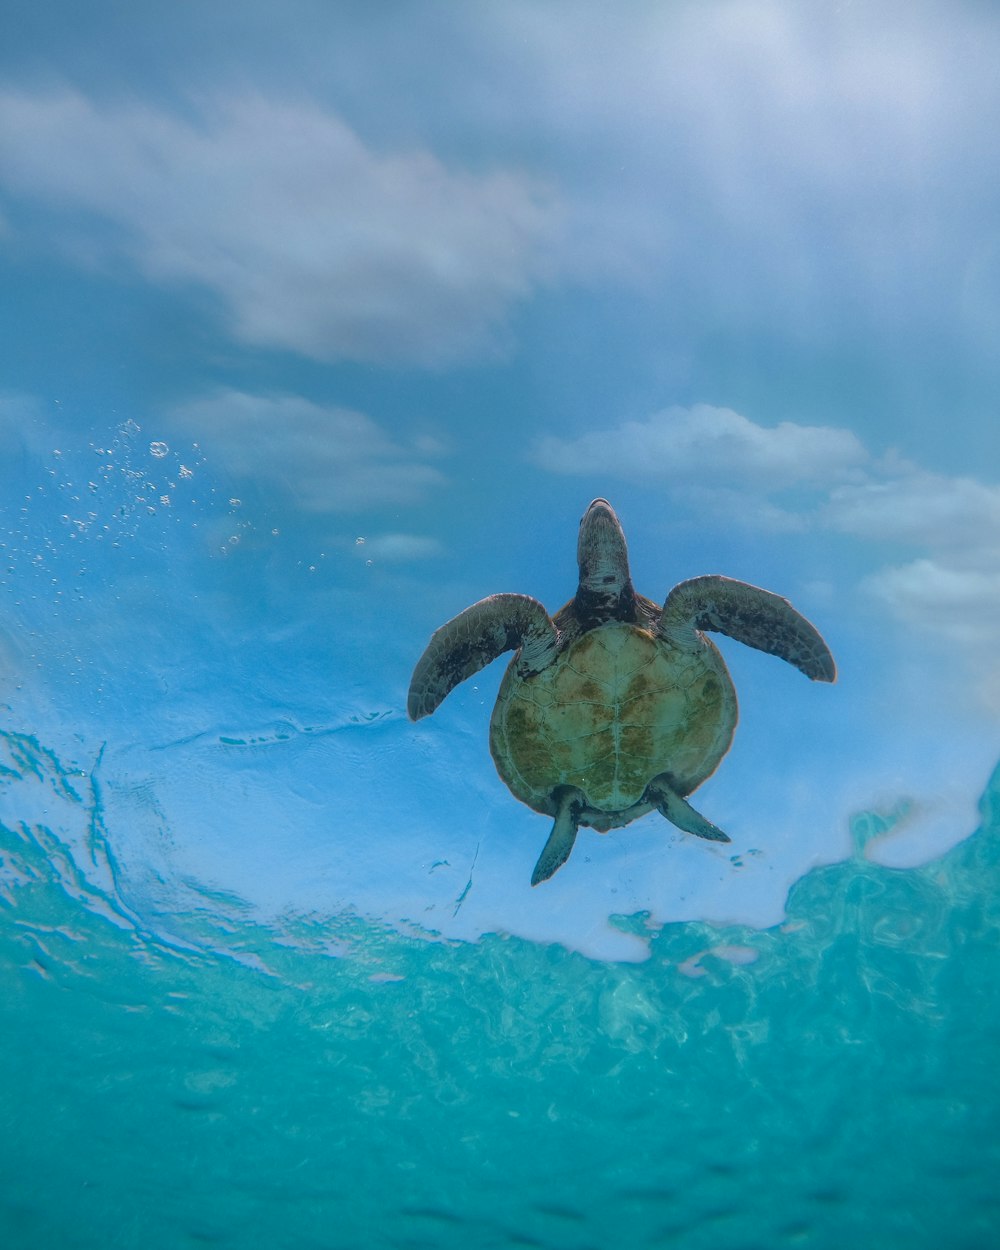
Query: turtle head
{"points": [[605, 592]]}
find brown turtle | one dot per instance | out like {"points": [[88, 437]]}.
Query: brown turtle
{"points": [[615, 706]]}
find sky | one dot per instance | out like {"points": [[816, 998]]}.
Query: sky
{"points": [[320, 322]]}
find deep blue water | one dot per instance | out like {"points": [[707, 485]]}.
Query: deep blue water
{"points": [[830, 1081]]}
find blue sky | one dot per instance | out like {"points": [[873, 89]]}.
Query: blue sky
{"points": [[431, 277]]}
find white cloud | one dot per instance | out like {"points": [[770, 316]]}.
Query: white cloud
{"points": [[800, 144], [912, 506], [323, 459], [312, 241], [712, 445], [949, 594], [960, 604], [398, 548]]}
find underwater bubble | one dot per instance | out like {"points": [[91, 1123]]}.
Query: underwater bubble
{"points": [[159, 450], [359, 542], [186, 472], [235, 503]]}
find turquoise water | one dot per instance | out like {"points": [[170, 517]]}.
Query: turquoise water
{"points": [[828, 1081]]}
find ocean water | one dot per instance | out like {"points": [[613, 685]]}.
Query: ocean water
{"points": [[830, 1080]]}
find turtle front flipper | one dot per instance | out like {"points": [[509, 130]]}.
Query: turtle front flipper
{"points": [[473, 639], [752, 616], [679, 811], [569, 804]]}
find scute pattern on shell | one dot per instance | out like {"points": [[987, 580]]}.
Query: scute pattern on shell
{"points": [[616, 708]]}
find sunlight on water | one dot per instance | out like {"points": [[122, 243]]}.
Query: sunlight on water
{"points": [[827, 1081]]}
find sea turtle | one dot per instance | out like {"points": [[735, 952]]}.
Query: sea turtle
{"points": [[614, 706]]}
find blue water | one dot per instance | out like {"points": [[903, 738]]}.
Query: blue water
{"points": [[826, 1082]]}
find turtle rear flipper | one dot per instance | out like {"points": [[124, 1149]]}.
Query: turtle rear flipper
{"points": [[758, 618], [570, 803], [473, 639], [680, 812]]}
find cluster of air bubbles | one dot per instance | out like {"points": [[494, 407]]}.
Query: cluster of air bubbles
{"points": [[106, 494], [125, 484], [143, 494], [134, 494]]}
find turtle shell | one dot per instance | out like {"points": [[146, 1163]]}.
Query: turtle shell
{"points": [[617, 707]]}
